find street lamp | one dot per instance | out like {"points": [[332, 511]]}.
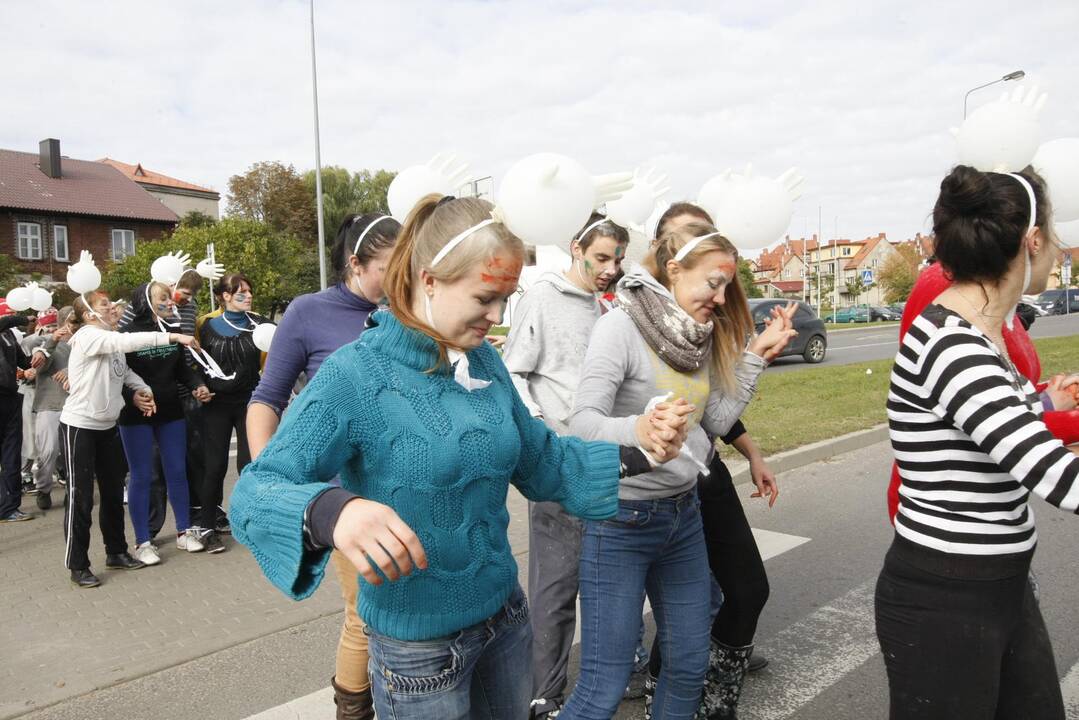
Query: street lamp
{"points": [[318, 160], [1017, 75]]}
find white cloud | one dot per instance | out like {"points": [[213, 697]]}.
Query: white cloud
{"points": [[859, 95]]}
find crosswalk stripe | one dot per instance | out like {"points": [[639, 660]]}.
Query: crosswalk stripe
{"points": [[827, 644]]}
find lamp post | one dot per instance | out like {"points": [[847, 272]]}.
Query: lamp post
{"points": [[1017, 75], [318, 160]]}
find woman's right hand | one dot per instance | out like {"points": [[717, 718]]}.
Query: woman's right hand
{"points": [[181, 339], [662, 431], [369, 532]]}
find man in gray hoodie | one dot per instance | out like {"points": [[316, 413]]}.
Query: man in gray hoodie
{"points": [[544, 352]]}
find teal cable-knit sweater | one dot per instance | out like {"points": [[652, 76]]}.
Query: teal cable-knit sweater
{"points": [[440, 456]]}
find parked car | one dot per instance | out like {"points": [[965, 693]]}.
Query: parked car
{"points": [[812, 339], [888, 313], [849, 315], [1053, 302]]}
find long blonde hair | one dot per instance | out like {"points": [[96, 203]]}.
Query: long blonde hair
{"points": [[432, 223], [732, 322]]}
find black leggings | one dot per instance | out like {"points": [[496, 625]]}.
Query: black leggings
{"points": [[90, 454], [219, 420], [734, 560], [963, 637]]}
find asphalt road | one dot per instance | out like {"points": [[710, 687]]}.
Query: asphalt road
{"points": [[817, 628], [856, 345]]}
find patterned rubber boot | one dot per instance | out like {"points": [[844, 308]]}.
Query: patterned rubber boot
{"points": [[352, 705], [723, 682], [649, 695]]}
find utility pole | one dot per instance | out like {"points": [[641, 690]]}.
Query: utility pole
{"points": [[318, 160]]}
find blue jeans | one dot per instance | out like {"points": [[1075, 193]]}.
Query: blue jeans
{"points": [[483, 671], [653, 546], [171, 439]]}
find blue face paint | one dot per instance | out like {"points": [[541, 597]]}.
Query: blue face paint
{"points": [[240, 297]]}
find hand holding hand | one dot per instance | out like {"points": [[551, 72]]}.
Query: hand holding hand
{"points": [[778, 332], [37, 360], [371, 535], [203, 394], [144, 401], [60, 376]]}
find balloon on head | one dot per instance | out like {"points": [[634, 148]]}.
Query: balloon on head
{"points": [[40, 298], [18, 299], [752, 211], [1002, 136], [442, 174], [168, 268], [1057, 161], [83, 276], [636, 204]]}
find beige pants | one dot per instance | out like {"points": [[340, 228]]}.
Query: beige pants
{"points": [[352, 647]]}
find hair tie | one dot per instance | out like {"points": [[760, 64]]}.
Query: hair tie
{"points": [[692, 245]]}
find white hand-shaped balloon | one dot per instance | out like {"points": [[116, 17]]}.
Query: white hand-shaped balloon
{"points": [[169, 267], [210, 270], [262, 336], [83, 276], [755, 211], [1057, 161], [610, 187], [442, 174], [40, 298], [18, 299], [637, 203], [1002, 136]]}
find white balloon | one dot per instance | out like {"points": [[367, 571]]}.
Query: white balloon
{"points": [[1057, 161], [652, 222], [167, 269], [410, 185], [713, 192], [83, 277], [40, 299], [753, 212], [1000, 136], [635, 205], [18, 299], [263, 336], [546, 198]]}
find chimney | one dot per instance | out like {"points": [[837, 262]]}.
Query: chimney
{"points": [[49, 157]]}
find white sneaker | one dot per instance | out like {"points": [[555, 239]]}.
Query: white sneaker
{"points": [[147, 553], [189, 540]]}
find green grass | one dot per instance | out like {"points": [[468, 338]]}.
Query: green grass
{"points": [[797, 408], [853, 325], [499, 330]]}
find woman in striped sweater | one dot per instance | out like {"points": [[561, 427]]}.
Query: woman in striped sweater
{"points": [[957, 620]]}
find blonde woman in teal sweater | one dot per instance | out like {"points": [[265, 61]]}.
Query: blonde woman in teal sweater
{"points": [[421, 420]]}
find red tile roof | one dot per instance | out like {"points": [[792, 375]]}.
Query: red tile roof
{"points": [[787, 286], [141, 175], [84, 188], [864, 250]]}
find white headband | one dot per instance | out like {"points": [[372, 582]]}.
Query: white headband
{"points": [[1030, 193], [458, 239], [359, 240], [692, 244], [590, 228]]}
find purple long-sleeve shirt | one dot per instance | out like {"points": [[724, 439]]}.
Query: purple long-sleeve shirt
{"points": [[314, 326]]}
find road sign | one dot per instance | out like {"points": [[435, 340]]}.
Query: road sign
{"points": [[1066, 274], [867, 277]]}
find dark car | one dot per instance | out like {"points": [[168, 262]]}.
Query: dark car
{"points": [[1053, 302], [887, 313], [812, 340]]}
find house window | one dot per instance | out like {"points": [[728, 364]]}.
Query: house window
{"points": [[846, 251], [123, 244], [59, 242], [29, 241]]}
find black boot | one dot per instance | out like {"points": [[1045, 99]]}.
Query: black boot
{"points": [[723, 682], [352, 705], [84, 578], [123, 561]]}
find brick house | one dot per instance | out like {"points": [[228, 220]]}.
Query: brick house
{"points": [[54, 207]]}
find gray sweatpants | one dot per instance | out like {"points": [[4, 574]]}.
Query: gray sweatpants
{"points": [[554, 556], [47, 440]]}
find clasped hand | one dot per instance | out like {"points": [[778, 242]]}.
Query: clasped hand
{"points": [[662, 431], [779, 330]]}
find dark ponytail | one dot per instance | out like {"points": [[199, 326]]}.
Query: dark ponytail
{"points": [[980, 220]]}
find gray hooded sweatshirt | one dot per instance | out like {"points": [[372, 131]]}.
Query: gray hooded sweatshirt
{"points": [[546, 346], [621, 374]]}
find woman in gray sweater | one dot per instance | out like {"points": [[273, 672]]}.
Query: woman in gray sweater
{"points": [[680, 330]]}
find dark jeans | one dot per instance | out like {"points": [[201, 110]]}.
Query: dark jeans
{"points": [[963, 637], [89, 454], [141, 444], [10, 453], [482, 671], [219, 420], [196, 468], [653, 546]]}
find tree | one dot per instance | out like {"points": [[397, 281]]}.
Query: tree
{"points": [[898, 273], [745, 274], [344, 193], [8, 270], [272, 193], [195, 218], [856, 286], [278, 264]]}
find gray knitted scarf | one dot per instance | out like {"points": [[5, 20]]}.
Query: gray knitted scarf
{"points": [[679, 340]]}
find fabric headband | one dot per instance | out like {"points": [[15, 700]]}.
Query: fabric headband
{"points": [[692, 245], [359, 240], [458, 239], [590, 228], [1030, 193]]}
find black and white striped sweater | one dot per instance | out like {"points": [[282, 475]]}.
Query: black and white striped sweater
{"points": [[970, 444]]}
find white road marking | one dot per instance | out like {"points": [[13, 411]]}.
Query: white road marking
{"points": [[854, 347], [824, 646]]}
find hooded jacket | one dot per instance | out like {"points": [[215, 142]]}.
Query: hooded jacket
{"points": [[546, 346], [161, 367]]}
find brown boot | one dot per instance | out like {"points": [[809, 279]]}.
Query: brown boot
{"points": [[352, 705]]}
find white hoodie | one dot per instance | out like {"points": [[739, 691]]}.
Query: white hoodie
{"points": [[98, 371], [545, 349]]}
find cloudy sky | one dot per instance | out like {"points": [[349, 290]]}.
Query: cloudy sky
{"points": [[859, 95]]}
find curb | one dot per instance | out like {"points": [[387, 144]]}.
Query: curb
{"points": [[814, 452]]}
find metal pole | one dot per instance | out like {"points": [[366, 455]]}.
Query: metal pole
{"points": [[213, 259], [1016, 75], [820, 251], [318, 160]]}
